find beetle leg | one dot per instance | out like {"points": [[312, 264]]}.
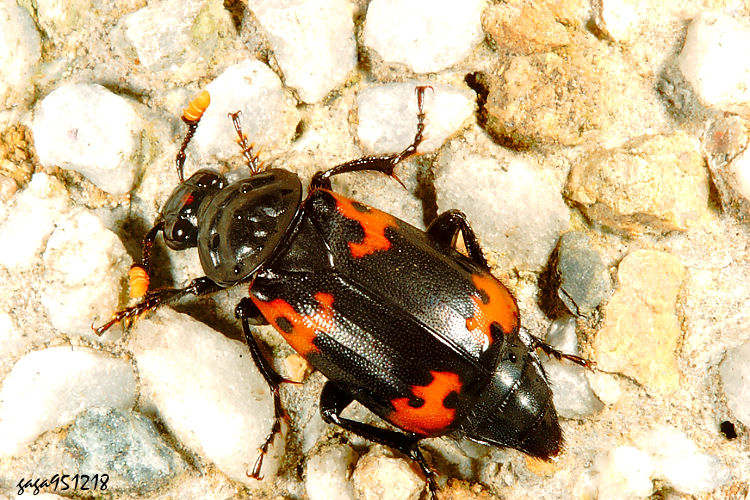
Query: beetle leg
{"points": [[445, 228], [245, 311], [155, 298], [386, 163], [333, 401]]}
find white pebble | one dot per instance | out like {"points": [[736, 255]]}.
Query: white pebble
{"points": [[713, 61], [88, 263], [388, 116], [381, 477], [328, 473], [677, 460], [515, 213], [623, 473], [86, 128], [621, 19], [19, 54], [31, 219], [739, 174], [48, 388], [268, 116], [11, 340], [426, 35], [206, 390], [573, 396], [735, 379], [313, 41]]}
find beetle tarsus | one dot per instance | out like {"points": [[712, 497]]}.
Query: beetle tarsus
{"points": [[385, 164]]}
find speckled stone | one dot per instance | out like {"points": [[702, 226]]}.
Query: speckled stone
{"points": [[524, 27], [641, 326], [125, 445], [582, 280], [549, 99], [378, 476], [663, 175], [725, 147]]}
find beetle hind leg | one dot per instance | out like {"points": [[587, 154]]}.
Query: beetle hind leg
{"points": [[445, 228], [333, 401], [386, 163]]}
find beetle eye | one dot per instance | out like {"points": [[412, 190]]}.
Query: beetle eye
{"points": [[182, 230]]}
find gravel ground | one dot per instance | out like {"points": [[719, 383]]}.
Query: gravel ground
{"points": [[599, 150]]}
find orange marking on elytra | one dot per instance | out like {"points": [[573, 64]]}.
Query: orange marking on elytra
{"points": [[500, 307], [432, 416], [299, 330], [373, 222]]}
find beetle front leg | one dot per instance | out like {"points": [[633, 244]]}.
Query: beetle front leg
{"points": [[246, 311], [155, 298], [445, 228], [334, 400], [385, 164]]}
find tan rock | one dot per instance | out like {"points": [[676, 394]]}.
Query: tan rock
{"points": [[651, 184], [524, 27], [581, 92], [641, 326]]}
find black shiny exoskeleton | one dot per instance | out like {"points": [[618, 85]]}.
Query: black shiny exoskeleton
{"points": [[394, 317]]}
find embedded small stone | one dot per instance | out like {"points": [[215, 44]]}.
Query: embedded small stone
{"points": [[623, 473], [677, 460], [425, 35], [313, 41], [86, 128], [664, 178], [328, 473], [524, 28], [268, 116], [176, 36], [64, 381], [20, 51], [711, 63], [725, 144], [93, 283], [499, 211], [381, 477], [735, 380], [126, 446], [587, 94], [641, 328], [32, 217], [583, 279], [573, 396], [206, 391], [388, 116]]}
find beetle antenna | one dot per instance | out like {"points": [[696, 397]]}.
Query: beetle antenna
{"points": [[191, 116], [248, 148]]}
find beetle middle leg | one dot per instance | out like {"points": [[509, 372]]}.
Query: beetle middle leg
{"points": [[385, 164], [247, 312], [333, 401]]}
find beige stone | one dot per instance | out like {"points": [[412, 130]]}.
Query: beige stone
{"points": [[655, 183], [641, 326]]}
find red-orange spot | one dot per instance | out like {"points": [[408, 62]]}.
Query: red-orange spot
{"points": [[303, 327], [492, 304], [373, 224], [432, 417]]}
